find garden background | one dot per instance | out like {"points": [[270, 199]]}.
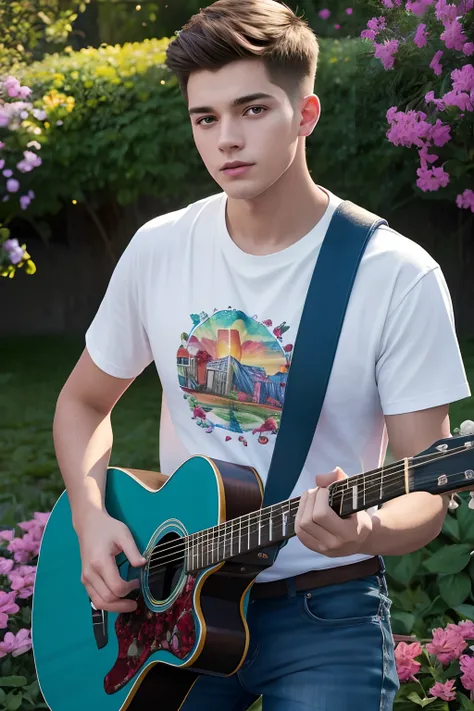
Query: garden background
{"points": [[94, 140]]}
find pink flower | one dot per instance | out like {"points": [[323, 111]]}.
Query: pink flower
{"points": [[444, 691], [12, 86], [418, 7], [463, 79], [407, 129], [440, 133], [30, 161], [430, 180], [385, 52], [445, 12], [453, 36], [391, 3], [13, 185], [16, 644], [22, 580], [7, 535], [2, 145], [324, 14], [405, 660], [377, 24], [466, 663], [349, 11], [337, 27], [439, 103], [24, 92], [467, 627], [6, 564], [459, 99], [421, 36], [25, 548], [466, 200], [468, 49], [435, 64], [2, 163], [448, 643], [366, 34], [7, 607]]}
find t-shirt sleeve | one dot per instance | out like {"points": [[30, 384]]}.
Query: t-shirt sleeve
{"points": [[420, 363], [116, 339]]}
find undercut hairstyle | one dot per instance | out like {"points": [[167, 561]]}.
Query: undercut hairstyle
{"points": [[229, 30]]}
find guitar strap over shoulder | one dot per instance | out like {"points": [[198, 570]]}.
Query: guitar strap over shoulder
{"points": [[316, 343]]}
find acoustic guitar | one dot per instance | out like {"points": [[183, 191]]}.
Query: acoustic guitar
{"points": [[205, 537]]}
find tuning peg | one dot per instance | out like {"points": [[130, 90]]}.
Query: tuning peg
{"points": [[471, 500], [454, 502]]}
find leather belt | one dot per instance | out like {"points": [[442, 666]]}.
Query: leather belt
{"points": [[317, 579]]}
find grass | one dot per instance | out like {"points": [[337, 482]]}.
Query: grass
{"points": [[32, 372]]}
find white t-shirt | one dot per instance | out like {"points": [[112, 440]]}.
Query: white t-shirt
{"points": [[220, 325]]}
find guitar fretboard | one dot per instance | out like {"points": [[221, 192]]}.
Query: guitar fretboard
{"points": [[274, 524]]}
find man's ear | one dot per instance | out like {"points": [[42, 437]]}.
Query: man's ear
{"points": [[310, 113]]}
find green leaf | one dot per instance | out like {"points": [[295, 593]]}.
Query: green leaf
{"points": [[419, 701], [451, 528], [12, 681], [2, 696], [465, 611], [403, 568], [402, 622], [449, 559], [466, 704], [13, 701], [455, 588], [465, 518]]}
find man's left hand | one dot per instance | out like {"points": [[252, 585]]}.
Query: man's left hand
{"points": [[320, 528]]}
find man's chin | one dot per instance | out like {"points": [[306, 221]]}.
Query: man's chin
{"points": [[242, 190]]}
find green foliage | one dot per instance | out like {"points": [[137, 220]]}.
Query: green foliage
{"points": [[118, 127], [27, 27], [433, 586]]}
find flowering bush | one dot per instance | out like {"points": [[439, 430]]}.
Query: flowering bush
{"points": [[18, 129], [435, 112], [18, 557], [440, 669]]}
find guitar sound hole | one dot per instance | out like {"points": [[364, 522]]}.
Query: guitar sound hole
{"points": [[166, 566]]}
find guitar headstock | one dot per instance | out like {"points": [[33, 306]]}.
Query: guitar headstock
{"points": [[445, 467]]}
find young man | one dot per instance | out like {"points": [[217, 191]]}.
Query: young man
{"points": [[224, 281]]}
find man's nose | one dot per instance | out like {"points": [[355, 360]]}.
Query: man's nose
{"points": [[230, 137]]}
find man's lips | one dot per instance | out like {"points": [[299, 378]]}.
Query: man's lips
{"points": [[236, 168]]}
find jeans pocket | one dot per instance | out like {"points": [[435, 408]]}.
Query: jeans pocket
{"points": [[353, 603]]}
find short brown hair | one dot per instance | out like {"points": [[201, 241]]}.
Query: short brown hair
{"points": [[229, 30]]}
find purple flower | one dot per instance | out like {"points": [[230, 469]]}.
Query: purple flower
{"points": [[421, 36], [2, 163], [466, 200], [39, 114], [7, 173], [368, 34], [31, 194], [12, 86], [349, 11], [418, 7], [24, 92], [324, 14], [453, 36], [468, 49], [440, 133], [431, 179], [435, 64], [386, 51], [14, 251], [24, 201], [30, 161], [13, 185], [2, 145]]}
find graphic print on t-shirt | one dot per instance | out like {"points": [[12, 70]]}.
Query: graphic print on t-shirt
{"points": [[233, 371]]}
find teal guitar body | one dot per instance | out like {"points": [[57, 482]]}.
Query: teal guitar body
{"points": [[185, 623]]}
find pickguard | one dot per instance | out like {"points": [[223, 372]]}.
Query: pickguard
{"points": [[142, 632]]}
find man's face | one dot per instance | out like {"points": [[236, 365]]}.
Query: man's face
{"points": [[245, 127]]}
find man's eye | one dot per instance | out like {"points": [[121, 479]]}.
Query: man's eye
{"points": [[256, 110], [206, 120]]}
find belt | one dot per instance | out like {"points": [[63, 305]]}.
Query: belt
{"points": [[317, 579]]}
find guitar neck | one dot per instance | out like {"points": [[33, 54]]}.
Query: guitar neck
{"points": [[437, 471]]}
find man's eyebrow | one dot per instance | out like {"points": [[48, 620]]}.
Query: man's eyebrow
{"points": [[236, 102]]}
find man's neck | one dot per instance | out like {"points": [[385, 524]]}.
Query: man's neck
{"points": [[279, 217]]}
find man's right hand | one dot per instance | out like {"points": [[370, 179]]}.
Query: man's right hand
{"points": [[101, 538]]}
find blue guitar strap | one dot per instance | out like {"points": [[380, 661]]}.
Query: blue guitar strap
{"points": [[321, 322]]}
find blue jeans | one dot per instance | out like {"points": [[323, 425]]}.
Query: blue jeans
{"points": [[328, 649]]}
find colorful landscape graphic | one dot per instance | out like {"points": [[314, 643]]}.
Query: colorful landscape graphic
{"points": [[233, 371]]}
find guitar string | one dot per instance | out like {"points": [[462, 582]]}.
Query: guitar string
{"points": [[266, 513], [390, 472], [292, 503], [212, 550]]}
